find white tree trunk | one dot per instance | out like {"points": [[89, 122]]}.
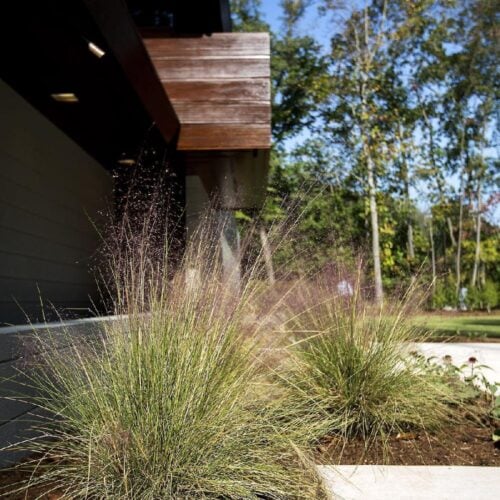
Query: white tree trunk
{"points": [[372, 194], [268, 255], [433, 257], [411, 246], [458, 257], [477, 253]]}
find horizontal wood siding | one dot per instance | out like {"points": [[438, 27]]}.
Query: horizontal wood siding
{"points": [[52, 194], [221, 112], [211, 68], [220, 88], [225, 137], [228, 91], [217, 44]]}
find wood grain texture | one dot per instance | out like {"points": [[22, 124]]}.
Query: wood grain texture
{"points": [[207, 137], [221, 112], [229, 44], [221, 90], [219, 86], [212, 68]]}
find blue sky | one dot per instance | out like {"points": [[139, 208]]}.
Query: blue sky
{"points": [[271, 11], [312, 24], [322, 28]]}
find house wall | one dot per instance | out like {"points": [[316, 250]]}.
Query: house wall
{"points": [[18, 354], [51, 195]]}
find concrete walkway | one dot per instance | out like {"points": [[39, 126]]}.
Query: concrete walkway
{"points": [[486, 354], [393, 482]]}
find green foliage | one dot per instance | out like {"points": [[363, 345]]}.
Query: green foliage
{"points": [[415, 91], [443, 296], [351, 376], [484, 297], [321, 207], [474, 298], [445, 293], [490, 295], [246, 16], [300, 84]]}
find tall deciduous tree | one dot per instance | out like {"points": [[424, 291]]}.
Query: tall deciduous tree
{"points": [[357, 114]]}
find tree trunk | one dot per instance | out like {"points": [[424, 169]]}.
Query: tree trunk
{"points": [[449, 223], [450, 231], [406, 183], [377, 270], [477, 254], [268, 256], [433, 257], [363, 64], [438, 173], [411, 249], [458, 257], [461, 215]]}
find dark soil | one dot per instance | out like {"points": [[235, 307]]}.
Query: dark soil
{"points": [[12, 479], [466, 444]]}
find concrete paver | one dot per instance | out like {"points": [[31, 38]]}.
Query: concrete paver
{"points": [[394, 482]]}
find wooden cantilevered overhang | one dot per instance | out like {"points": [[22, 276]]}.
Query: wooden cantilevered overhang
{"points": [[184, 84], [219, 86]]}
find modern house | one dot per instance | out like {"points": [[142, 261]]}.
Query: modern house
{"points": [[93, 91]]}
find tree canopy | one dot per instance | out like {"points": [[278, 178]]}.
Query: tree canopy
{"points": [[385, 136]]}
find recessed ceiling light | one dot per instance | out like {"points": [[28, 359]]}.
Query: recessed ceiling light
{"points": [[64, 97], [97, 51], [127, 162]]}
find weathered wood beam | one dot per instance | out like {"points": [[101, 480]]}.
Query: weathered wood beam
{"points": [[219, 86]]}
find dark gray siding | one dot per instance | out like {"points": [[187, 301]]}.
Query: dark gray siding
{"points": [[51, 195], [18, 353]]}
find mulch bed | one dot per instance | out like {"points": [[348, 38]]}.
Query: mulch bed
{"points": [[465, 444], [12, 479], [8, 478]]}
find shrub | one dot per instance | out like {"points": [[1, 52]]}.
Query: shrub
{"points": [[351, 375], [474, 298], [163, 405], [445, 294], [489, 295], [485, 297]]}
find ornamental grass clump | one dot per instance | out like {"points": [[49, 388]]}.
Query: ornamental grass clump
{"points": [[351, 375], [162, 405]]}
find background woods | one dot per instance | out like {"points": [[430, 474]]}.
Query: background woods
{"points": [[385, 139]]}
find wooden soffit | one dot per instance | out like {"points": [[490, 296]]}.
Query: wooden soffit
{"points": [[219, 86], [119, 102]]}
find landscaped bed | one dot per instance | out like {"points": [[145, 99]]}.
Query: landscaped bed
{"points": [[183, 397], [464, 444], [9, 478], [467, 443]]}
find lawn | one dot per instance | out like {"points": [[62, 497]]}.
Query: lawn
{"points": [[462, 324]]}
